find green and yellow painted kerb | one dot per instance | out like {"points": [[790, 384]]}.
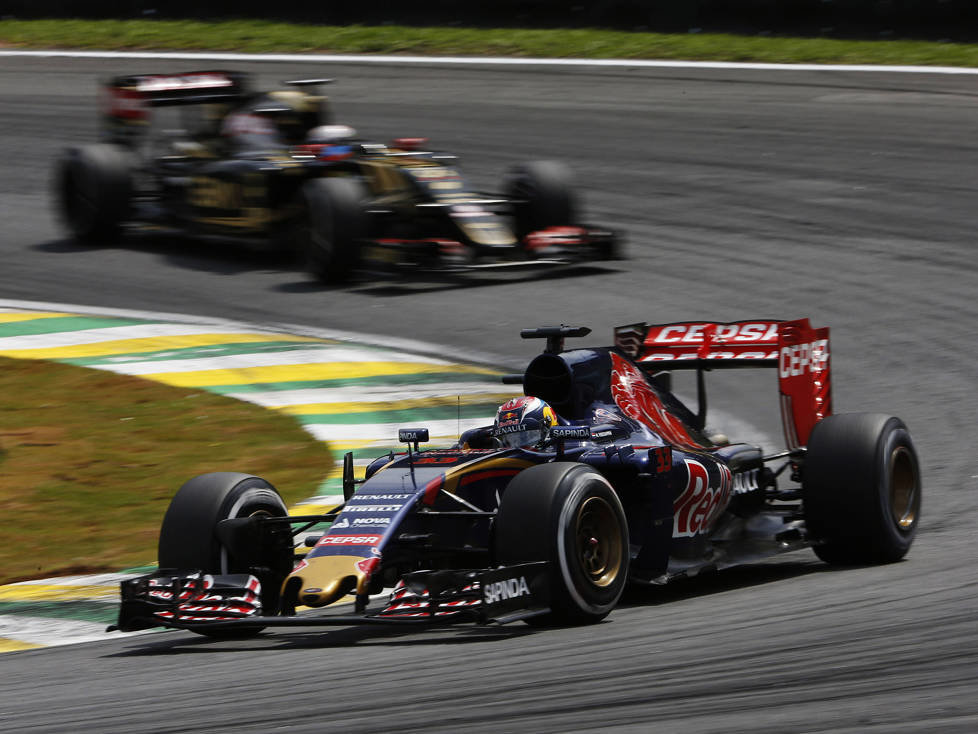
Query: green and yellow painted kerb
{"points": [[351, 395]]}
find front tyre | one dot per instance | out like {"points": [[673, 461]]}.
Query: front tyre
{"points": [[542, 193], [332, 225], [569, 515], [93, 189], [861, 488], [188, 536]]}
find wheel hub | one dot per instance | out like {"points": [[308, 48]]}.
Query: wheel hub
{"points": [[599, 542], [904, 492]]}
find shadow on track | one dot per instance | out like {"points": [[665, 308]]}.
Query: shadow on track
{"points": [[217, 256], [183, 643], [416, 283], [227, 257], [717, 582]]}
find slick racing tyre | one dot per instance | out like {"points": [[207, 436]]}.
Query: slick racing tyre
{"points": [[613, 248], [188, 536], [569, 515], [542, 195], [93, 188], [332, 225], [861, 489]]}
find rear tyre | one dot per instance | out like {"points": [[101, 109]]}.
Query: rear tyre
{"points": [[331, 227], [543, 196], [613, 249], [861, 487], [569, 515], [188, 537], [93, 188]]}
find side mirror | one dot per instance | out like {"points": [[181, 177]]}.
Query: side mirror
{"points": [[608, 432]]}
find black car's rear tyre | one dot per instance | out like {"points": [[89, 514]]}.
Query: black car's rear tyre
{"points": [[93, 188], [332, 225], [613, 248], [569, 515], [188, 537], [861, 486], [543, 196]]}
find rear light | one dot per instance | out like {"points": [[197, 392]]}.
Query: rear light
{"points": [[409, 143]]}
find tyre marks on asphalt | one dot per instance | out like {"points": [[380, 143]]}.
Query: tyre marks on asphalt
{"points": [[351, 395]]}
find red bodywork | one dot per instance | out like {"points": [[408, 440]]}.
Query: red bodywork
{"points": [[799, 352]]}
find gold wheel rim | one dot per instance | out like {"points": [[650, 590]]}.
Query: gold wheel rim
{"points": [[904, 492], [599, 542]]}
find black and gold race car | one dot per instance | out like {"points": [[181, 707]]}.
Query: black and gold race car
{"points": [[200, 153]]}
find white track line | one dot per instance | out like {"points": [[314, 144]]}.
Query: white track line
{"points": [[49, 631], [368, 393], [326, 354], [231, 326], [112, 333], [486, 61], [103, 579]]}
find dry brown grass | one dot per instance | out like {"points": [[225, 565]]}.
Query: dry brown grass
{"points": [[89, 461]]}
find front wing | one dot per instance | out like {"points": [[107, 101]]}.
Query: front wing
{"points": [[198, 601], [554, 246]]}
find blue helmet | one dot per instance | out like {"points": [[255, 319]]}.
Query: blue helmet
{"points": [[524, 421]]}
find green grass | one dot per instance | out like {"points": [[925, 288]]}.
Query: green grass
{"points": [[260, 37], [89, 461]]}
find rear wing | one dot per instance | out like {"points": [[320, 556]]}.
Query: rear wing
{"points": [[798, 351], [126, 100]]}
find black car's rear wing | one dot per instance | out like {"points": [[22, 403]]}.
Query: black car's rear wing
{"points": [[196, 87], [798, 351], [126, 100]]}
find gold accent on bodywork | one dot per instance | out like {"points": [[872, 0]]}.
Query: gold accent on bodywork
{"points": [[445, 185], [248, 219], [335, 576], [488, 233], [382, 177], [454, 475]]}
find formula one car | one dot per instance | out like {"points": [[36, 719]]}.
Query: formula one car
{"points": [[616, 481], [271, 171]]}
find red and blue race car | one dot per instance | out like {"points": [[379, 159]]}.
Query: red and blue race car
{"points": [[596, 477]]}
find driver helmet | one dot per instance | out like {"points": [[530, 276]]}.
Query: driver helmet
{"points": [[291, 112], [330, 134], [524, 421]]}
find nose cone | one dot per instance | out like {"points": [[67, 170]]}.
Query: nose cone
{"points": [[324, 579]]}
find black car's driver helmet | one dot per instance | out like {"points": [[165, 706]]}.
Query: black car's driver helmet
{"points": [[524, 421], [292, 112]]}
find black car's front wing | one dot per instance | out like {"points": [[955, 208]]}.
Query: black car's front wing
{"points": [[551, 247]]}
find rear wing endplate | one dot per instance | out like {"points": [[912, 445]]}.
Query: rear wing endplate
{"points": [[798, 351]]}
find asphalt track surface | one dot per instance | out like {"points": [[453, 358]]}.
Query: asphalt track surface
{"points": [[847, 198]]}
